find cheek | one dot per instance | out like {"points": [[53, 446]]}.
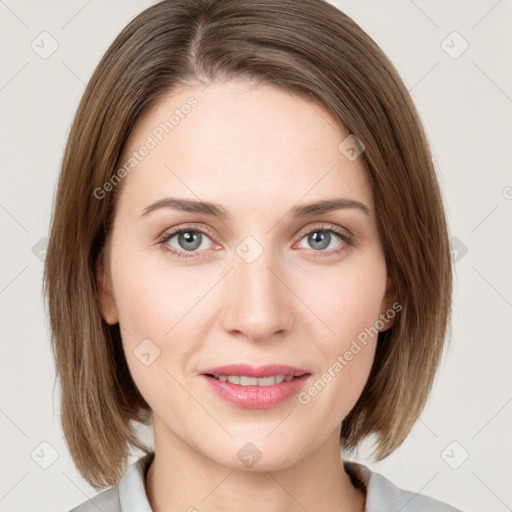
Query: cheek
{"points": [[152, 315], [349, 303], [150, 298], [348, 300], [161, 313]]}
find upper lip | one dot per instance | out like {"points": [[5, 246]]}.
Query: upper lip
{"points": [[248, 370]]}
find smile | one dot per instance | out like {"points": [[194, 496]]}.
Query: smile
{"points": [[244, 380]]}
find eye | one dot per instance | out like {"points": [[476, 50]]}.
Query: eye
{"points": [[321, 237], [187, 241]]}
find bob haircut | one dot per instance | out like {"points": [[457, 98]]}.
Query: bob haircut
{"points": [[305, 47]]}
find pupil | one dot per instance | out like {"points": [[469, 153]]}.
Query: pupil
{"points": [[318, 239], [190, 240]]}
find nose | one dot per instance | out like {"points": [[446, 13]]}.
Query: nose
{"points": [[259, 305]]}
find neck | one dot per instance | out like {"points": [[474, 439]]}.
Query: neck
{"points": [[182, 479]]}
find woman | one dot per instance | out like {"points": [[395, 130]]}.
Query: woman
{"points": [[238, 258]]}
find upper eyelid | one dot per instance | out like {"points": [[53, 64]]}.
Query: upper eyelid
{"points": [[324, 227], [168, 233]]}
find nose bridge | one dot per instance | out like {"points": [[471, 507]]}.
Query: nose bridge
{"points": [[259, 304]]}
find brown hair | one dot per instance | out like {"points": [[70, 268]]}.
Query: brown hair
{"points": [[307, 47]]}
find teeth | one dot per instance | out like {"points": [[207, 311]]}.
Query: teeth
{"points": [[243, 380]]}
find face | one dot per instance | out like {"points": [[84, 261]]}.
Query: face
{"points": [[285, 291]]}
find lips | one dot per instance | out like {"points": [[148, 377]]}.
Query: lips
{"points": [[252, 387]]}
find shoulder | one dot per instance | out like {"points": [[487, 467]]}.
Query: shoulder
{"points": [[106, 501], [382, 494], [128, 495]]}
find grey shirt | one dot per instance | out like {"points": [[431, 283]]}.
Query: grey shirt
{"points": [[129, 495]]}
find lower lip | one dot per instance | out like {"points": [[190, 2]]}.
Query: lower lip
{"points": [[256, 397]]}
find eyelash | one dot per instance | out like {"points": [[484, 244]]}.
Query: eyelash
{"points": [[192, 254]]}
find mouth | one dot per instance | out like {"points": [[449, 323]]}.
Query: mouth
{"points": [[255, 387], [258, 372]]}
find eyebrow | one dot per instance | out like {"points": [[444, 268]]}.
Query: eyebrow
{"points": [[216, 210]]}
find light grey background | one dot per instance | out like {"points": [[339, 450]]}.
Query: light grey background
{"points": [[465, 102]]}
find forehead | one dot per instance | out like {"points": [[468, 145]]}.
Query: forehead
{"points": [[234, 141]]}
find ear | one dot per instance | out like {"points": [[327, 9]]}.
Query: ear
{"points": [[389, 307], [106, 299]]}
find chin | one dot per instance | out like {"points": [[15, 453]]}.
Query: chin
{"points": [[260, 454]]}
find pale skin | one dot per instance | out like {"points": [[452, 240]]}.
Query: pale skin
{"points": [[258, 152]]}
